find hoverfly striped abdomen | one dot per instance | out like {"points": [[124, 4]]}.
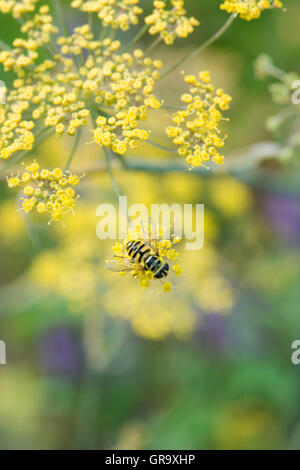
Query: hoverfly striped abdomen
{"points": [[139, 251]]}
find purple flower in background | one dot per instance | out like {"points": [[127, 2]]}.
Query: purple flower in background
{"points": [[60, 352], [283, 213], [213, 333]]}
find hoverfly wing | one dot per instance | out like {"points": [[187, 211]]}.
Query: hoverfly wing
{"points": [[122, 265], [151, 235]]}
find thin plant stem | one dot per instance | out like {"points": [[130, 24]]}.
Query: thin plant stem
{"points": [[65, 28], [139, 35], [161, 147], [167, 106], [109, 170], [153, 45], [74, 148], [91, 21], [113, 34], [4, 46], [203, 46], [107, 160], [61, 19], [276, 72], [102, 32]]}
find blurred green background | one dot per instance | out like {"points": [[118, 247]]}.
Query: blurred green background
{"points": [[94, 362]]}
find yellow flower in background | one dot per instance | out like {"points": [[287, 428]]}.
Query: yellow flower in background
{"points": [[48, 191], [74, 271], [21, 417], [17, 7], [211, 227], [152, 315], [249, 9], [170, 24], [209, 288], [146, 255], [68, 272], [132, 436], [230, 196], [12, 226], [244, 425], [196, 132], [113, 13], [214, 294]]}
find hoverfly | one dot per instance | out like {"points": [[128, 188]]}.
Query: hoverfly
{"points": [[142, 256]]}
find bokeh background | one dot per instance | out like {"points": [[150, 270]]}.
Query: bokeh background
{"points": [[95, 362]]}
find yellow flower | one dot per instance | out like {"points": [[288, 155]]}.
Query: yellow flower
{"points": [[13, 181], [177, 269], [41, 207], [196, 132], [170, 24], [158, 249], [16, 7], [230, 196], [249, 9], [49, 191], [113, 13], [29, 190], [167, 286]]}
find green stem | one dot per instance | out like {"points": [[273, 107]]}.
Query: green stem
{"points": [[200, 48], [4, 46], [109, 170], [61, 20], [65, 29], [91, 21], [238, 162], [74, 148], [103, 32], [276, 72], [167, 106], [136, 39], [161, 147], [153, 45], [113, 33], [107, 159]]}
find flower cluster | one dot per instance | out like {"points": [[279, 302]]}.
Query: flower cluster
{"points": [[114, 13], [15, 133], [86, 74], [196, 132], [170, 24], [48, 191], [108, 131], [249, 9], [17, 7], [38, 30], [151, 315], [160, 246], [125, 83]]}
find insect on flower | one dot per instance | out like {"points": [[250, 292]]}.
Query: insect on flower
{"points": [[146, 255]]}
